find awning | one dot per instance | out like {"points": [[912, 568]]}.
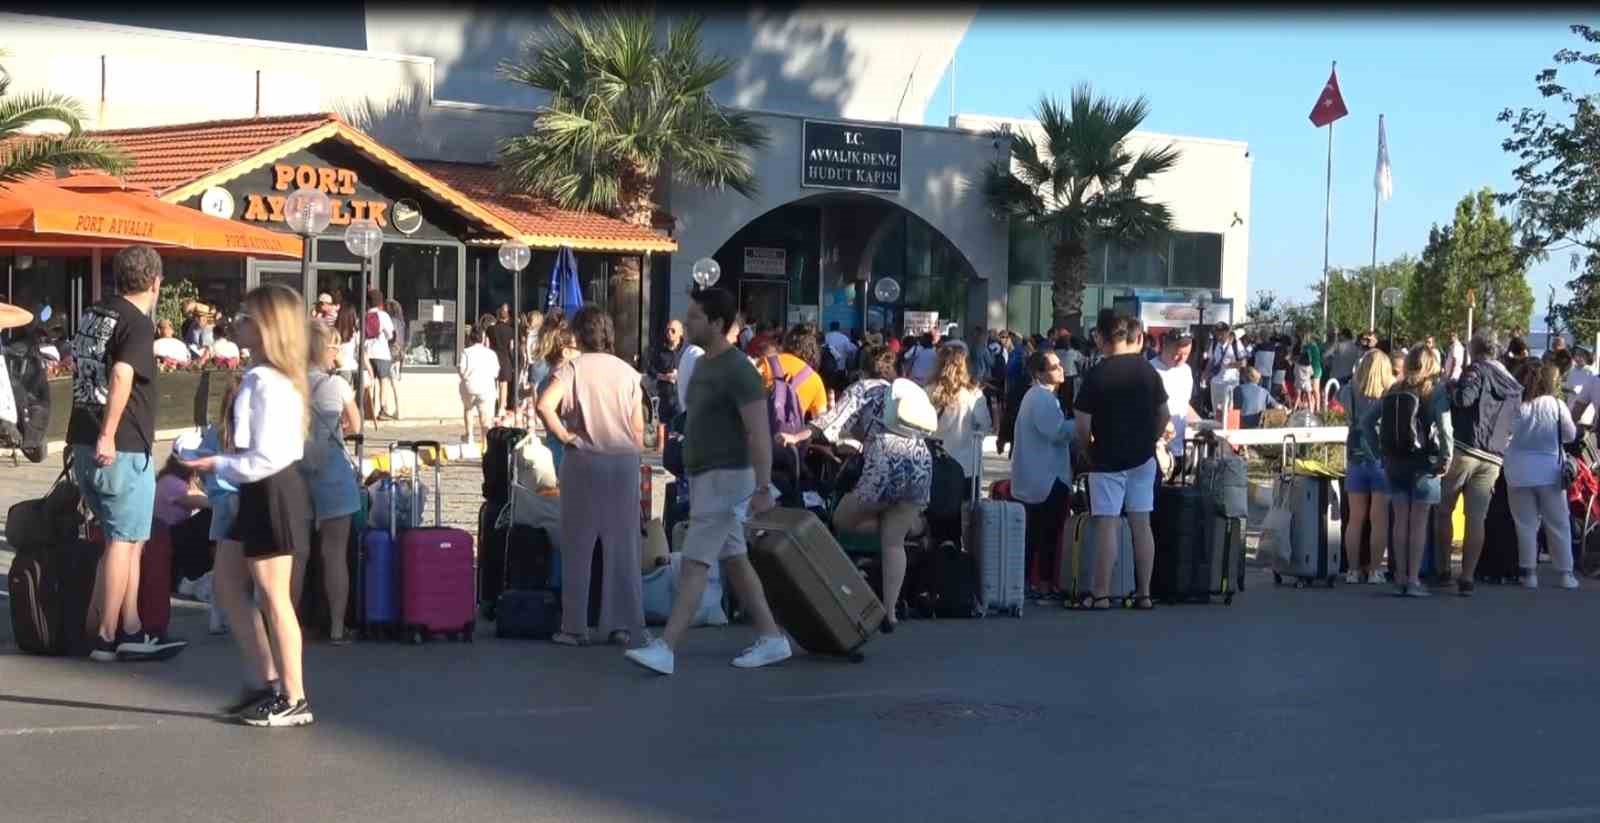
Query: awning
{"points": [[99, 211]]}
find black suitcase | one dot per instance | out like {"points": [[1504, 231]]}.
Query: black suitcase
{"points": [[514, 558], [944, 583], [1499, 562], [1182, 558], [50, 592], [498, 445]]}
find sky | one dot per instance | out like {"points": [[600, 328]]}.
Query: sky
{"points": [[1440, 80]]}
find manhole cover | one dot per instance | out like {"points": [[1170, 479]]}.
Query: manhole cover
{"points": [[947, 712]]}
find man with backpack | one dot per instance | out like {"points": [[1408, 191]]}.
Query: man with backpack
{"points": [[1483, 407], [111, 435], [1226, 358], [378, 330]]}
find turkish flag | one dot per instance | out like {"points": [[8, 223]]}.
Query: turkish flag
{"points": [[1330, 106]]}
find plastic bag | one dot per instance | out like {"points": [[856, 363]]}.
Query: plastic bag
{"points": [[1276, 545]]}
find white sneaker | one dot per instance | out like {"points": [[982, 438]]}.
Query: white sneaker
{"points": [[1530, 580], [186, 588], [1352, 578], [654, 656], [765, 652], [1569, 580]]}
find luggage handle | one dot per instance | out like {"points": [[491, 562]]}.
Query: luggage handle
{"points": [[416, 486], [1291, 449], [977, 472]]}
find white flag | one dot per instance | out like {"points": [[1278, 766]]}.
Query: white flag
{"points": [[1383, 181]]}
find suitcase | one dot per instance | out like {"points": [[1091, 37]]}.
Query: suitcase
{"points": [[942, 582], [1075, 569], [997, 535], [499, 444], [438, 573], [377, 585], [816, 593], [1316, 534], [49, 593], [1500, 562], [518, 556], [1178, 526], [155, 581]]}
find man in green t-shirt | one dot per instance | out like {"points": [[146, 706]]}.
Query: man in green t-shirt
{"points": [[727, 453]]}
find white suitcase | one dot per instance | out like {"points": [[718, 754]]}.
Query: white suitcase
{"points": [[998, 537]]}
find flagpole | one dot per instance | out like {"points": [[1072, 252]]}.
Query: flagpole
{"points": [[1377, 195], [1327, 223]]}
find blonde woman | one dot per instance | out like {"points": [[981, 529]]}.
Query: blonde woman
{"points": [[964, 416], [273, 523], [1413, 477], [330, 476], [1365, 486]]}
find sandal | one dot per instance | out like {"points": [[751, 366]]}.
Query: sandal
{"points": [[620, 637], [1091, 603], [1143, 604], [569, 639]]}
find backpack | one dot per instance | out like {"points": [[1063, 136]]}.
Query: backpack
{"points": [[832, 369], [1402, 431], [372, 326], [784, 412]]}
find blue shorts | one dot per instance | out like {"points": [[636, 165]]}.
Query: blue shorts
{"points": [[381, 369], [1415, 485], [1365, 478], [121, 495]]}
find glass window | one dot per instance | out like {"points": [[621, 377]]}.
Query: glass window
{"points": [[1197, 260], [335, 251], [1135, 266], [422, 279], [39, 282]]}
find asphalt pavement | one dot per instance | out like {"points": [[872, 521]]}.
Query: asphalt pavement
{"points": [[1291, 705]]}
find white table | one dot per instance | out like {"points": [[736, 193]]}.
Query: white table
{"points": [[1272, 437]]}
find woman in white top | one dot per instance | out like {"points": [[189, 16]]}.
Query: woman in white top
{"points": [[273, 523], [480, 367], [1041, 470], [963, 412], [1533, 472]]}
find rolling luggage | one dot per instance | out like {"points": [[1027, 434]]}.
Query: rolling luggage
{"points": [[50, 591], [1178, 525], [1199, 525], [1499, 562], [525, 607], [500, 445], [816, 593], [1316, 532], [943, 582], [155, 581], [1075, 571], [997, 535], [378, 585], [438, 573]]}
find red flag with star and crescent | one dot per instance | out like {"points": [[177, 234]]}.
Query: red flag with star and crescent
{"points": [[1330, 106]]}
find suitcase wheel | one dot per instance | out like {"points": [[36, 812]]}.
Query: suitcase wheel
{"points": [[416, 637], [1299, 583], [1016, 611], [1332, 581], [1227, 600], [1277, 579], [466, 634]]}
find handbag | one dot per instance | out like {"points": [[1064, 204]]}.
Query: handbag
{"points": [[1569, 467], [907, 411]]}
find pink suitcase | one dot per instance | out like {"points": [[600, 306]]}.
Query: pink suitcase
{"points": [[438, 572]]}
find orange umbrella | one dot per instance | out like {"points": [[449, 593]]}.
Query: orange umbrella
{"points": [[96, 210]]}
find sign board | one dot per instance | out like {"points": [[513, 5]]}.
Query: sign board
{"points": [[847, 156], [803, 314], [1182, 315], [921, 322], [765, 260]]}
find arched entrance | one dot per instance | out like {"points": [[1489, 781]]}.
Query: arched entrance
{"points": [[811, 260]]}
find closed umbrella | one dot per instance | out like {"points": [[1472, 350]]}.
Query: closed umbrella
{"points": [[565, 292]]}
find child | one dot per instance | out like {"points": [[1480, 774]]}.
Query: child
{"points": [[1305, 392], [480, 368], [1252, 398]]}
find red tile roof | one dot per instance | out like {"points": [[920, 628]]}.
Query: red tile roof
{"points": [[166, 157], [542, 224]]}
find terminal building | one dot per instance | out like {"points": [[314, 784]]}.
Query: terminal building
{"points": [[404, 109]]}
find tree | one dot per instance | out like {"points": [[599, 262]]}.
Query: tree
{"points": [[1558, 191], [1475, 253], [24, 152], [625, 111], [1350, 297], [1080, 183]]}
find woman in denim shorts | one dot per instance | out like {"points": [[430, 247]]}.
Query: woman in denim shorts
{"points": [[1413, 480], [1365, 487]]}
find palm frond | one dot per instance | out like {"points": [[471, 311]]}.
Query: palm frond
{"points": [[1149, 163], [33, 154], [40, 106]]}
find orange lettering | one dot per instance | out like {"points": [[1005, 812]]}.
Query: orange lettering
{"points": [[305, 177], [325, 180], [358, 209], [375, 210], [340, 217], [347, 181], [256, 207], [276, 202], [282, 176]]}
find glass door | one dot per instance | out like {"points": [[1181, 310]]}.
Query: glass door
{"points": [[765, 302]]}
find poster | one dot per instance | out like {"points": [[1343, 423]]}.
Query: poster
{"points": [[921, 322], [766, 261]]}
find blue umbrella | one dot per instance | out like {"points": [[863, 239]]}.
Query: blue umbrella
{"points": [[564, 290]]}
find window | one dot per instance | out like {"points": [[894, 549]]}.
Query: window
{"points": [[1197, 260], [1135, 266], [422, 279]]}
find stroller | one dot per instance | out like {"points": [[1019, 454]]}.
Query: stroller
{"points": [[1583, 502]]}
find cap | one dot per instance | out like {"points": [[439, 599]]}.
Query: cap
{"points": [[324, 298]]}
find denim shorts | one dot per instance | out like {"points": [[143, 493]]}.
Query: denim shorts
{"points": [[121, 495], [1415, 485], [1365, 478]]}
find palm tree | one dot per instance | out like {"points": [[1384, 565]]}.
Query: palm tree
{"points": [[1082, 186], [23, 154], [625, 111]]}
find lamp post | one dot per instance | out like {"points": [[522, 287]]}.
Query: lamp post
{"points": [[1391, 298], [308, 212], [514, 256], [887, 290], [706, 273], [363, 238]]}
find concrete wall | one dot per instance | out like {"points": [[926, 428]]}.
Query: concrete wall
{"points": [[941, 169], [1207, 189]]}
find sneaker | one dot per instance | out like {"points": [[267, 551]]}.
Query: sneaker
{"points": [[248, 699], [655, 656], [1465, 588], [278, 712], [1352, 578], [1530, 580], [1417, 590], [105, 651], [1376, 579], [765, 652], [1569, 580], [147, 646]]}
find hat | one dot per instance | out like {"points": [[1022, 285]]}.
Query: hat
{"points": [[325, 298]]}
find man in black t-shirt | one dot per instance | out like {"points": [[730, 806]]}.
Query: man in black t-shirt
{"points": [[1122, 412], [110, 434]]}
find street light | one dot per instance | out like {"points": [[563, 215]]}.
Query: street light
{"points": [[514, 256], [1391, 298], [363, 238], [308, 212], [706, 272], [886, 290]]}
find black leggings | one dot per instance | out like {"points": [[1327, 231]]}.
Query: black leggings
{"points": [[1045, 521]]}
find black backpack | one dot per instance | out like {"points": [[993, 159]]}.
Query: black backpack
{"points": [[1402, 428]]}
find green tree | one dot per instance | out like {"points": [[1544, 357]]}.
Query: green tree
{"points": [[1558, 191], [1474, 253], [1350, 297], [1080, 183], [172, 298], [626, 112], [24, 152]]}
